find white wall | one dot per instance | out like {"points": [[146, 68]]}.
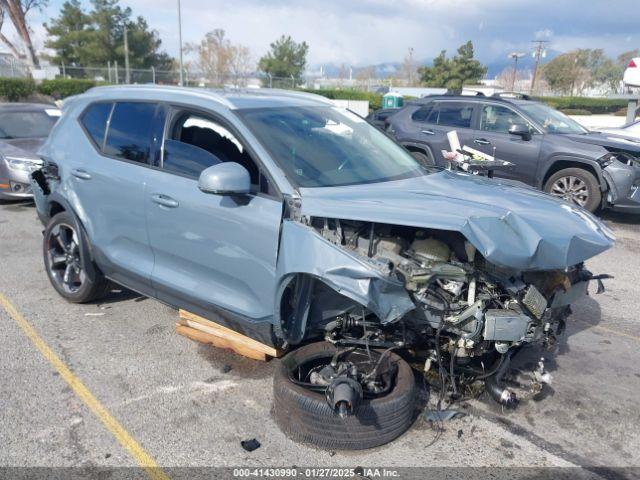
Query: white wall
{"points": [[361, 107]]}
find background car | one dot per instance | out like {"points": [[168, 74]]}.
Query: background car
{"points": [[631, 76], [23, 129], [549, 150], [630, 130], [379, 117]]}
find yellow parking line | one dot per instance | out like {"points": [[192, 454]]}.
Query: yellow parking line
{"points": [[127, 441], [610, 330]]}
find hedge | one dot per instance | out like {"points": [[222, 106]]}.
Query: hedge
{"points": [[375, 100], [593, 105], [15, 89], [65, 87]]}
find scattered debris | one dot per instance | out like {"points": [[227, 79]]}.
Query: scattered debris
{"points": [[94, 314], [250, 445], [226, 368], [442, 415], [460, 433]]}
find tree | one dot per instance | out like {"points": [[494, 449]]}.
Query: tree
{"points": [[285, 59], [17, 11], [454, 72], [573, 72], [218, 59], [81, 38], [70, 33]]}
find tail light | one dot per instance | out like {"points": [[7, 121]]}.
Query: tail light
{"points": [[632, 64]]}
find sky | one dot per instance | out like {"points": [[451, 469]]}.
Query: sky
{"points": [[364, 32]]}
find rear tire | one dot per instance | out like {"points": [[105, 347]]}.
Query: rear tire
{"points": [[423, 159], [66, 263], [576, 186], [305, 416]]}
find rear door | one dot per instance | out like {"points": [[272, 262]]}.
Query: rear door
{"points": [[493, 137], [435, 119], [110, 185]]}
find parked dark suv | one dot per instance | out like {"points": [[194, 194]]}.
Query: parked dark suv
{"points": [[549, 150]]}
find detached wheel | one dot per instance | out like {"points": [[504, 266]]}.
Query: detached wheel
{"points": [[423, 159], [304, 414], [65, 263], [576, 186]]}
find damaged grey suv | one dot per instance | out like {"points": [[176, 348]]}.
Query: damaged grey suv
{"points": [[298, 224]]}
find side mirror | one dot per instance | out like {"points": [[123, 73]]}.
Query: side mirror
{"points": [[227, 178], [521, 130]]}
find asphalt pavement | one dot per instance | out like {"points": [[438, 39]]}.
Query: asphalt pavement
{"points": [[185, 404]]}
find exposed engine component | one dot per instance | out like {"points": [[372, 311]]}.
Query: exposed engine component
{"points": [[468, 313]]}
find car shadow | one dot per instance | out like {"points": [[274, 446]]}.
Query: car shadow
{"points": [[118, 293], [622, 218]]}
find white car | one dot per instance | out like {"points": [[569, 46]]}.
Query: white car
{"points": [[630, 130], [632, 73]]}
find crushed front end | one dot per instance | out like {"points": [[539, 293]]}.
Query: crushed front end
{"points": [[427, 293]]}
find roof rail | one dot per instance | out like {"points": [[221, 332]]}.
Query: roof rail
{"points": [[520, 95]]}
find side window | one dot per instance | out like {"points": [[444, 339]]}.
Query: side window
{"points": [[422, 114], [498, 119], [94, 120], [129, 133], [453, 114], [196, 142]]}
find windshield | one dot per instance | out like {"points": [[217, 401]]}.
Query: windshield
{"points": [[552, 120], [328, 146], [26, 124]]}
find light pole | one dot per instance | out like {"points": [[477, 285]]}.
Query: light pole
{"points": [[515, 56], [127, 73], [180, 41]]}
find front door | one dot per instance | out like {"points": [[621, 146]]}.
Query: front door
{"points": [[493, 137], [211, 251]]}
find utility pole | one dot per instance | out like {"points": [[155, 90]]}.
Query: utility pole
{"points": [[515, 56], [410, 73], [127, 74], [538, 53], [180, 42]]}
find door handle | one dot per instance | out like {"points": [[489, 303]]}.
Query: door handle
{"points": [[482, 141], [164, 200], [79, 173], [429, 132]]}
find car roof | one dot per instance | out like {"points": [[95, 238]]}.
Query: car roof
{"points": [[24, 107], [524, 100], [231, 98]]}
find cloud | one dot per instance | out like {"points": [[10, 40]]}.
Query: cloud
{"points": [[361, 32]]}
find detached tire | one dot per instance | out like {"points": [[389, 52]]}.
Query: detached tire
{"points": [[577, 186], [304, 415]]}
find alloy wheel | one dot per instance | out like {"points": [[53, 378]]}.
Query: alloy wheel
{"points": [[63, 254], [571, 189]]}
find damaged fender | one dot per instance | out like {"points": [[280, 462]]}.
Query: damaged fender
{"points": [[303, 250]]}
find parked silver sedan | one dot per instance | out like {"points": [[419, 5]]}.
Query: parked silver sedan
{"points": [[23, 129]]}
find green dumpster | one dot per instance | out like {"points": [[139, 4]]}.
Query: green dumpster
{"points": [[392, 100]]}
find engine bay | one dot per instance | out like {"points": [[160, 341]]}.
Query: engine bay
{"points": [[470, 316]]}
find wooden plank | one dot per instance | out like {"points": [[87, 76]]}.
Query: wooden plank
{"points": [[196, 322], [219, 342]]}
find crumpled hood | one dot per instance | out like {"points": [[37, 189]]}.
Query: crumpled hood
{"points": [[21, 147], [514, 227], [605, 139]]}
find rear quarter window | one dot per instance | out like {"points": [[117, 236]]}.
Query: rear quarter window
{"points": [[94, 121]]}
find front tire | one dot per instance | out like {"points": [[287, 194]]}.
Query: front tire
{"points": [[66, 264], [306, 417], [423, 159], [577, 186]]}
